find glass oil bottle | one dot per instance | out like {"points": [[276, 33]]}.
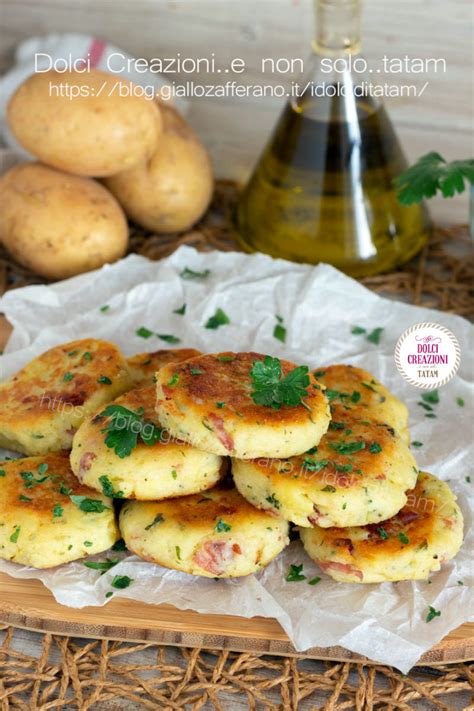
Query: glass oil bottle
{"points": [[323, 189]]}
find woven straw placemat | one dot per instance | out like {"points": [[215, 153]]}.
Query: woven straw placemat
{"points": [[43, 671]]}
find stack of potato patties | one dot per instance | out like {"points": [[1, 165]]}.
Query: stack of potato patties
{"points": [[326, 450]]}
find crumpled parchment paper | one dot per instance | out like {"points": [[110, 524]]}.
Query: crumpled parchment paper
{"points": [[320, 306]]}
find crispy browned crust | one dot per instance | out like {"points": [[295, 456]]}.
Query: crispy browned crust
{"points": [[411, 528], [38, 390], [343, 471], [143, 366], [199, 510], [229, 382], [44, 495]]}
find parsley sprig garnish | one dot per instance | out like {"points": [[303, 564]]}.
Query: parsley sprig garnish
{"points": [[273, 390], [430, 174], [124, 428]]}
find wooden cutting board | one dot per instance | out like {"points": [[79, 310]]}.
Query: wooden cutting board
{"points": [[28, 604]]}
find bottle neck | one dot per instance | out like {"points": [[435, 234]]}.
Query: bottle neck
{"points": [[337, 27]]}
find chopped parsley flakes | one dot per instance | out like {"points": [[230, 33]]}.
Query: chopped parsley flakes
{"points": [[220, 318], [295, 574], [222, 527], [187, 273], [279, 332], [432, 613], [84, 503]]}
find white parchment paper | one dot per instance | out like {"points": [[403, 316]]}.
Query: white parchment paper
{"points": [[320, 306]]}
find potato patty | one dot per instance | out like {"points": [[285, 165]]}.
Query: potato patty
{"points": [[216, 534], [357, 390], [208, 402], [358, 474], [47, 517], [143, 366], [44, 403], [152, 470], [409, 546]]}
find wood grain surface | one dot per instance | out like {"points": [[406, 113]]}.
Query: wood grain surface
{"points": [[29, 605]]}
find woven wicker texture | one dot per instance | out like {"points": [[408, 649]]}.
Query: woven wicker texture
{"points": [[41, 671], [79, 674]]}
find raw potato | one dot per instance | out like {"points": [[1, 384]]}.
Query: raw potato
{"points": [[98, 133], [58, 224], [171, 191]]}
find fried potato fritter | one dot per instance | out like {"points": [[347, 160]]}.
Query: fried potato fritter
{"points": [[217, 534], [47, 517], [208, 401], [158, 470], [143, 366], [356, 390], [409, 546], [42, 406], [357, 474]]}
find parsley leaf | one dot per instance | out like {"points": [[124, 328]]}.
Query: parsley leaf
{"points": [[403, 538], [222, 527], [432, 397], [187, 273], [120, 582], [15, 534], [58, 511], [279, 332], [417, 444], [347, 447], [144, 332], [104, 380], [430, 174], [375, 336], [358, 330], [432, 613], [102, 565], [181, 311], [159, 518], [108, 488], [168, 338], [460, 402], [220, 318], [124, 428], [295, 574], [273, 390], [89, 505]]}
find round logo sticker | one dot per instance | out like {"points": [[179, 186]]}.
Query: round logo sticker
{"points": [[427, 355]]}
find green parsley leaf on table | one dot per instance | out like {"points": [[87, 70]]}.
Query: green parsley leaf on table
{"points": [[181, 311], [120, 582], [273, 390], [168, 338], [295, 574], [220, 318], [187, 273], [279, 332], [432, 613], [430, 174]]}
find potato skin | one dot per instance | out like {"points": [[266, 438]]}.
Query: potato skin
{"points": [[98, 134], [58, 224], [171, 191]]}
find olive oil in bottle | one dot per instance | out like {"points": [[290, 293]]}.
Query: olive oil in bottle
{"points": [[323, 188]]}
